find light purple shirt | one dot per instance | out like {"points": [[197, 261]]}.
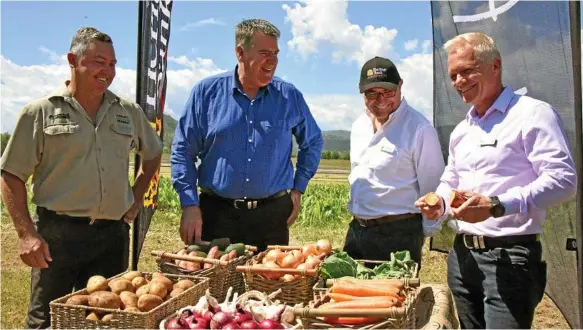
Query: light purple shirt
{"points": [[517, 151]]}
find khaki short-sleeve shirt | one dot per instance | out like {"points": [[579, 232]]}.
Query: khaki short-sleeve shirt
{"points": [[79, 167]]}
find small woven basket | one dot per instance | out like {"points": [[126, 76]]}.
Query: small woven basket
{"points": [[299, 290], [65, 316], [221, 275]]}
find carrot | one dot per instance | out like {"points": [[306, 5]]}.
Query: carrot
{"points": [[347, 297], [379, 302], [363, 290], [350, 320]]}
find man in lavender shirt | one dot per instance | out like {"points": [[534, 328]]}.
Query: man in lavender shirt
{"points": [[510, 159]]}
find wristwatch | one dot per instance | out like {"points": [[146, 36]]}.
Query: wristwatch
{"points": [[496, 208]]}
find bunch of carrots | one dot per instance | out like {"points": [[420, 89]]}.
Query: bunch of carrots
{"points": [[362, 294]]}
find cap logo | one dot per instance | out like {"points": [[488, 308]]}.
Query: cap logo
{"points": [[376, 72]]}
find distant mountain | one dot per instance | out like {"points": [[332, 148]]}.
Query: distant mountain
{"points": [[336, 140]]}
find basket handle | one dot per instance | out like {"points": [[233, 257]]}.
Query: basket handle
{"points": [[393, 312], [167, 255], [410, 282], [257, 269]]}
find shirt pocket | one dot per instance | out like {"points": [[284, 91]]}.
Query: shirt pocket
{"points": [[123, 139], [383, 159]]}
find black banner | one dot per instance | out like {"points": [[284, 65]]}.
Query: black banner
{"points": [[153, 37], [538, 41]]}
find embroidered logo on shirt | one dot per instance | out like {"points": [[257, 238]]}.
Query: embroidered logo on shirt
{"points": [[122, 119]]}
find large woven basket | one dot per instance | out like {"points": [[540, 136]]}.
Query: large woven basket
{"points": [[221, 276], [65, 316], [402, 317], [299, 290]]}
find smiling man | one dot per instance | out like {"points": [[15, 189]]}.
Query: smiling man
{"points": [[510, 160], [75, 143], [395, 158], [240, 125]]}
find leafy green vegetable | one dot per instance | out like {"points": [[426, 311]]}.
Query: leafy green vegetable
{"points": [[338, 265], [399, 266], [364, 273]]}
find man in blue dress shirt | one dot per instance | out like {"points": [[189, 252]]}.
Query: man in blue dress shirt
{"points": [[239, 124]]}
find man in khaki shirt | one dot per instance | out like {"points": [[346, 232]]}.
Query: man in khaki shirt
{"points": [[75, 143]]}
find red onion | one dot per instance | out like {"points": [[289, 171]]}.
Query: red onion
{"points": [[269, 324], [249, 325]]}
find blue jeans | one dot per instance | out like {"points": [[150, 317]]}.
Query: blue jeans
{"points": [[498, 287]]}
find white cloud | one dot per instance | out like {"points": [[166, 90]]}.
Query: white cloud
{"points": [[201, 23], [322, 22], [426, 46], [411, 44], [335, 111], [20, 84]]}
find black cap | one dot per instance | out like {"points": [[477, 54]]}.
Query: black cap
{"points": [[379, 72]]}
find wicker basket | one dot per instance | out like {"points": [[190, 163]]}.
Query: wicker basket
{"points": [[65, 316], [221, 276], [296, 291], [390, 318]]}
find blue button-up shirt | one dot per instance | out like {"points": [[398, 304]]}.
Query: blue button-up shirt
{"points": [[244, 145]]}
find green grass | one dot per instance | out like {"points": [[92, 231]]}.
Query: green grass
{"points": [[324, 214]]}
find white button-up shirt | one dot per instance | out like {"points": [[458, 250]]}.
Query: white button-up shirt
{"points": [[517, 151], [395, 166]]}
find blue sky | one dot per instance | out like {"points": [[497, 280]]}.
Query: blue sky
{"points": [[317, 53]]}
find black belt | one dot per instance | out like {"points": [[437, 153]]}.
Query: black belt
{"points": [[478, 242], [386, 219], [47, 214], [245, 203]]}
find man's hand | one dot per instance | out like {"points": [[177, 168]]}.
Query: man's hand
{"points": [[475, 209], [132, 213], [33, 250], [428, 211], [191, 224], [296, 198]]}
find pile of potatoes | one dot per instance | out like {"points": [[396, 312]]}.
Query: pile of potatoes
{"points": [[131, 292]]}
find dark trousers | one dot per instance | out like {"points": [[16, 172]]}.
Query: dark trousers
{"points": [[79, 250], [496, 288], [262, 226], [377, 242]]}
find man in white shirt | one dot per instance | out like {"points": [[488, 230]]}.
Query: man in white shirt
{"points": [[509, 161], [395, 158]]}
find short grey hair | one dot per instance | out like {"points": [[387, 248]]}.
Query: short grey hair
{"points": [[247, 28], [484, 47], [84, 37]]}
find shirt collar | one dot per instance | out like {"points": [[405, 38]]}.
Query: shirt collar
{"points": [[63, 92], [501, 104], [400, 109], [237, 86]]}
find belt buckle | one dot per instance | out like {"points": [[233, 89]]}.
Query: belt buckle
{"points": [[248, 204], [477, 242]]}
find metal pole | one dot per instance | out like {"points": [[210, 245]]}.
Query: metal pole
{"points": [[575, 20], [137, 160]]}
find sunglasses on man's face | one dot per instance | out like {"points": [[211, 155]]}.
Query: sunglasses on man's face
{"points": [[372, 95]]}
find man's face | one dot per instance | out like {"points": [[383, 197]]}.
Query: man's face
{"points": [[95, 69], [260, 58], [381, 102], [475, 81]]}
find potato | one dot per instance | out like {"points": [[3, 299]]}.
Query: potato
{"points": [[148, 302], [128, 299], [92, 317], [107, 318], [138, 282], [79, 299], [143, 290], [164, 280], [176, 292], [120, 285], [131, 275], [132, 309], [159, 289], [104, 299], [184, 284], [157, 274], [97, 283]]}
